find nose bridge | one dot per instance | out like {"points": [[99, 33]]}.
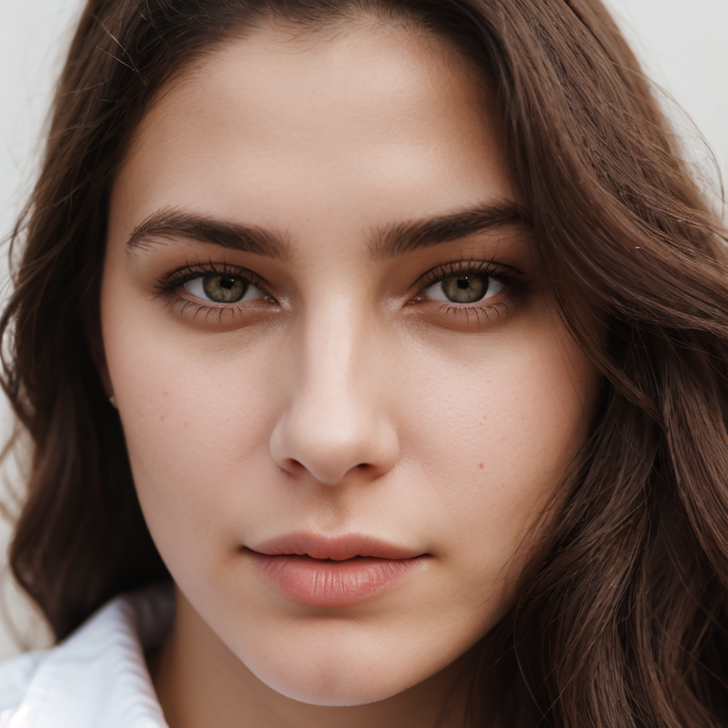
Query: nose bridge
{"points": [[337, 418], [333, 357]]}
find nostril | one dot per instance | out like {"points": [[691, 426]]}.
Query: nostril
{"points": [[292, 466]]}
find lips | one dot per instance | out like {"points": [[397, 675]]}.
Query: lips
{"points": [[334, 572]]}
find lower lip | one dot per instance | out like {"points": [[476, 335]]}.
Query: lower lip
{"points": [[320, 583]]}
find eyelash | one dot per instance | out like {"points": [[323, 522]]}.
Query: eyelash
{"points": [[511, 277], [173, 281], [503, 273]]}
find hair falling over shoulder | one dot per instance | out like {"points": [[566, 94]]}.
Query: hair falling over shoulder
{"points": [[622, 619]]}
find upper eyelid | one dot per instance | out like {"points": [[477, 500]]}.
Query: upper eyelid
{"points": [[506, 273]]}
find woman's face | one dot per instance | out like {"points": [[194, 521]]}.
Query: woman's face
{"points": [[345, 391]]}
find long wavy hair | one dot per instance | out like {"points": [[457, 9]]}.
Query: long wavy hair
{"points": [[621, 620]]}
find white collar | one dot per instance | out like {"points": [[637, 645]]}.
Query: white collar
{"points": [[97, 677]]}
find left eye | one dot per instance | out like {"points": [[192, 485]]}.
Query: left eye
{"points": [[223, 289], [464, 287]]}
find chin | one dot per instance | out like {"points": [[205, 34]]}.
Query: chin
{"points": [[337, 696], [340, 691], [338, 682]]}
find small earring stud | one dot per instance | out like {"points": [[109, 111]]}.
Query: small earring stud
{"points": [[113, 402]]}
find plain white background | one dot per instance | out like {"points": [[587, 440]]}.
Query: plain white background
{"points": [[682, 44]]}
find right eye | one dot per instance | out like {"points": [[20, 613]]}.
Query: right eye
{"points": [[223, 289], [465, 287]]}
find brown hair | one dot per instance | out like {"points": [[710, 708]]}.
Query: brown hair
{"points": [[622, 620]]}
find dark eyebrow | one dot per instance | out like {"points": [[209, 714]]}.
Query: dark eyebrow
{"points": [[404, 238], [173, 223], [388, 242]]}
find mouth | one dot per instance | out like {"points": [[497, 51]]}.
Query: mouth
{"points": [[334, 572]]}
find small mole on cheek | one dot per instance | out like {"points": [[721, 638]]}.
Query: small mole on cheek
{"points": [[185, 424], [166, 394], [481, 465], [162, 418]]}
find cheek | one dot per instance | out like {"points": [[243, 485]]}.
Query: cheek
{"points": [[197, 418], [494, 431]]}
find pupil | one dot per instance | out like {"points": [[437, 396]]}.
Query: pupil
{"points": [[227, 283], [463, 283]]}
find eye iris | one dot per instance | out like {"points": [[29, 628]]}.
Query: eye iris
{"points": [[224, 289], [465, 288]]}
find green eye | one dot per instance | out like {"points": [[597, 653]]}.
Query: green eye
{"points": [[464, 287], [222, 288]]}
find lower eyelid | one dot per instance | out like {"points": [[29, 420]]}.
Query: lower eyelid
{"points": [[475, 316]]}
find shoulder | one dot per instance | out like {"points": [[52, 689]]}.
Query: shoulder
{"points": [[97, 678]]}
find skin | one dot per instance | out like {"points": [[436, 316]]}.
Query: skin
{"points": [[343, 398]]}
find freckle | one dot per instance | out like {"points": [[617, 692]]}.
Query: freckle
{"points": [[481, 465], [185, 424], [162, 418], [166, 394]]}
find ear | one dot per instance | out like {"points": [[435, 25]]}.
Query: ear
{"points": [[95, 343]]}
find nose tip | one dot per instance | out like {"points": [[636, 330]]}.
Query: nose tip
{"points": [[333, 443]]}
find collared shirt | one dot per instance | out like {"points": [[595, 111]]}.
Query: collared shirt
{"points": [[97, 677]]}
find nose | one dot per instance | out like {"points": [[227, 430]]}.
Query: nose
{"points": [[336, 422]]}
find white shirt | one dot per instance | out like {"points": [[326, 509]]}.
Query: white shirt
{"points": [[97, 677]]}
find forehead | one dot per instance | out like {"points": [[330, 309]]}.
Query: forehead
{"points": [[363, 114]]}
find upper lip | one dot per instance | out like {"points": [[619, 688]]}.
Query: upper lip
{"points": [[336, 548]]}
